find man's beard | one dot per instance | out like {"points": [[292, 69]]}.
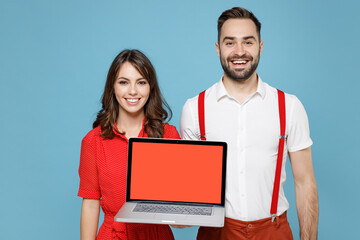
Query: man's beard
{"points": [[243, 74]]}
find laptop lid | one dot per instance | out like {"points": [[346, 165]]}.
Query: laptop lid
{"points": [[176, 171]]}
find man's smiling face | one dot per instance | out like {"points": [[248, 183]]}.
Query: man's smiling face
{"points": [[239, 49]]}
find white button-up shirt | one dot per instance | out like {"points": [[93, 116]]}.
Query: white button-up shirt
{"points": [[251, 130]]}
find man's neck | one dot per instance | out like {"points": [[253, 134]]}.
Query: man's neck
{"points": [[241, 90]]}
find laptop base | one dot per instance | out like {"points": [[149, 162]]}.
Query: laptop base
{"points": [[126, 214]]}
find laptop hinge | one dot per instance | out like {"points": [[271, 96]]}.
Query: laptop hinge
{"points": [[177, 203]]}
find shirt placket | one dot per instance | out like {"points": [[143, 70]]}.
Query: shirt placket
{"points": [[241, 135]]}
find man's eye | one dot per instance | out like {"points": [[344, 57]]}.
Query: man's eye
{"points": [[228, 43], [248, 43]]}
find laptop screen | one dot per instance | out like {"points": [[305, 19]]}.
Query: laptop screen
{"points": [[176, 170]]}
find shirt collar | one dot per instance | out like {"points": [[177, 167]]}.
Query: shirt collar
{"points": [[221, 90], [261, 88]]}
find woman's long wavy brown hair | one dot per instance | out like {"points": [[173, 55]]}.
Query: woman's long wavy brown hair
{"points": [[154, 109]]}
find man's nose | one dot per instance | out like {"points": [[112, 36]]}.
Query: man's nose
{"points": [[239, 49]]}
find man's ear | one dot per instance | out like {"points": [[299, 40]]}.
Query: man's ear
{"points": [[261, 46], [217, 49]]}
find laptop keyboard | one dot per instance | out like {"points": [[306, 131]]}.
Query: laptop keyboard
{"points": [[172, 209]]}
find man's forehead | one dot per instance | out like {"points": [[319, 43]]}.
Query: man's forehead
{"points": [[239, 28]]}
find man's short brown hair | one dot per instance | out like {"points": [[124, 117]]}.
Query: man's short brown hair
{"points": [[235, 13]]}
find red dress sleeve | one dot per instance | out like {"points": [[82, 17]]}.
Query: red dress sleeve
{"points": [[170, 132], [88, 172]]}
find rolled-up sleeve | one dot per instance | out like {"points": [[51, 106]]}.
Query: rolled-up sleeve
{"points": [[88, 172], [298, 132], [171, 132]]}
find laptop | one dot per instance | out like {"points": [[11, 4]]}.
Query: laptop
{"points": [[170, 181]]}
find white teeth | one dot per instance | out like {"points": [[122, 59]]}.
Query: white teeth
{"points": [[239, 62], [132, 100]]}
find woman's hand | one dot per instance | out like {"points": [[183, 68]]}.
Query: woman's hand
{"points": [[180, 226]]}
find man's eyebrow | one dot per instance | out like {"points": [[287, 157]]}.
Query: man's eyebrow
{"points": [[233, 38], [249, 37], [228, 38]]}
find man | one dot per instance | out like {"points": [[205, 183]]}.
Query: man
{"points": [[243, 111]]}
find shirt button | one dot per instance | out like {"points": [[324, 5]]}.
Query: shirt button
{"points": [[241, 149], [243, 195], [250, 226], [241, 172]]}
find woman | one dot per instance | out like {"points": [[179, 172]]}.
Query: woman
{"points": [[132, 106]]}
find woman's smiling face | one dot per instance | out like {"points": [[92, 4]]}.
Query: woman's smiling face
{"points": [[131, 89]]}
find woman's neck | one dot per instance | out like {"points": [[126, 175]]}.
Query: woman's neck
{"points": [[131, 124]]}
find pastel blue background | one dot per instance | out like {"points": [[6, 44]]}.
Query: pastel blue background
{"points": [[54, 56]]}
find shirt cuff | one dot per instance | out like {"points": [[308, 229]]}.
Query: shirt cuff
{"points": [[301, 147], [89, 194]]}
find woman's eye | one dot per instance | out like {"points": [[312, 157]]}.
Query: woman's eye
{"points": [[142, 82], [122, 82]]}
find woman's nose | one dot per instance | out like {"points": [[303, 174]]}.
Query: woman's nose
{"points": [[133, 89]]}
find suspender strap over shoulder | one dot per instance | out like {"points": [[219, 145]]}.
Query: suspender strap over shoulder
{"points": [[201, 114], [282, 117]]}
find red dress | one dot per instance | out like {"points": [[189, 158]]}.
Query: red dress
{"points": [[102, 171]]}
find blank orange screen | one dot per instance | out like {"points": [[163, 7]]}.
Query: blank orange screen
{"points": [[176, 172]]}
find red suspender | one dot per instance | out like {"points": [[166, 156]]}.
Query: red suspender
{"points": [[282, 117], [201, 113]]}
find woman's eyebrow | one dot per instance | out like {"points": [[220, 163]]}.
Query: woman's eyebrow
{"points": [[123, 78]]}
